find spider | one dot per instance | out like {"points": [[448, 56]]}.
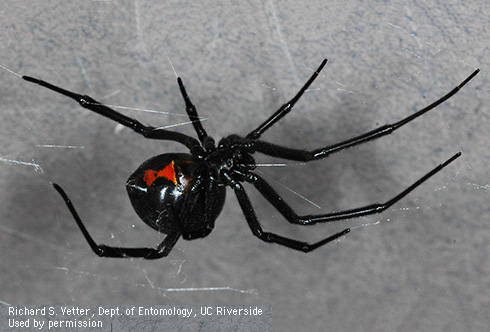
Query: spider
{"points": [[182, 194]]}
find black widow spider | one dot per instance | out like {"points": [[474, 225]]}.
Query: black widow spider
{"points": [[182, 194]]}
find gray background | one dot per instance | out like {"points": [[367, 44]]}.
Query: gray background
{"points": [[421, 266]]}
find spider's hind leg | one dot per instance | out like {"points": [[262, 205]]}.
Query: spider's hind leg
{"points": [[102, 250], [206, 140], [99, 108]]}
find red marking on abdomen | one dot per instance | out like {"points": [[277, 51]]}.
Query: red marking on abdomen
{"points": [[168, 173]]}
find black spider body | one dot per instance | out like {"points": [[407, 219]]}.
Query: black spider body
{"points": [[182, 194], [166, 192]]}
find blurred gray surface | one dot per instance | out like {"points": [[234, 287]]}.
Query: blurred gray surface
{"points": [[421, 266]]}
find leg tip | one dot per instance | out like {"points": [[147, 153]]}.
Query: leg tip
{"points": [[450, 160], [469, 78], [324, 62], [61, 192], [31, 79]]}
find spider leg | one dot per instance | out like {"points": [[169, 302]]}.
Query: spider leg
{"points": [[256, 229], [119, 252], [206, 140], [303, 155], [286, 108], [93, 105], [273, 197]]}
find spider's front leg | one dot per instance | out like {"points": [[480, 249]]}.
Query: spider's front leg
{"points": [[303, 155], [256, 228], [273, 197], [287, 107], [120, 252]]}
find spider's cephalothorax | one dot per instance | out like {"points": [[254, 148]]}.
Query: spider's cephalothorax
{"points": [[182, 195]]}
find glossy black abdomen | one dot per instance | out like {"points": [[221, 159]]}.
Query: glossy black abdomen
{"points": [[164, 196]]}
